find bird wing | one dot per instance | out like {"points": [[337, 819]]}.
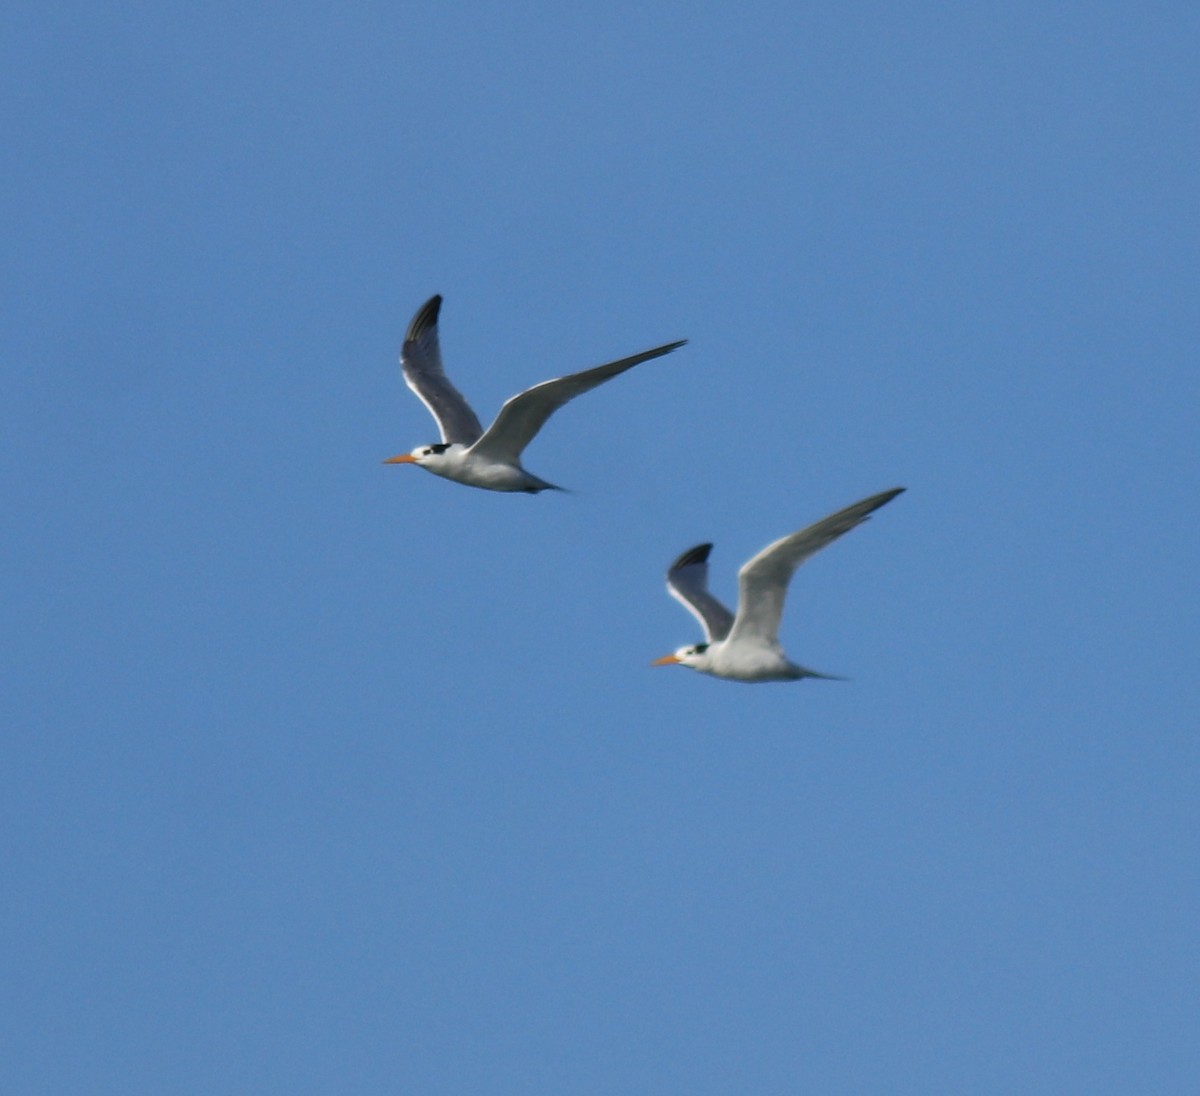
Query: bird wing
{"points": [[421, 363], [763, 580], [687, 583], [525, 414]]}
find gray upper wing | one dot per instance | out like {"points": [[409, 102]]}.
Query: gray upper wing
{"points": [[687, 583], [525, 414], [763, 580], [421, 363]]}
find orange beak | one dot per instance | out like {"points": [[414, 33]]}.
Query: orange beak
{"points": [[666, 660], [404, 458]]}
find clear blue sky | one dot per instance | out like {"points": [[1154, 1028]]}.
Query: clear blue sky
{"points": [[325, 776]]}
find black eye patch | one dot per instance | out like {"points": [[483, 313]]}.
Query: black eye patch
{"points": [[441, 447], [700, 648]]}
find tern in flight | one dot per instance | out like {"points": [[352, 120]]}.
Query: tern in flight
{"points": [[745, 646], [488, 458]]}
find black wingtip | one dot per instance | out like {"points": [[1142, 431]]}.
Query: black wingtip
{"points": [[426, 318], [874, 502], [692, 556]]}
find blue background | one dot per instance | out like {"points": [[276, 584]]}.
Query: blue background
{"points": [[325, 776]]}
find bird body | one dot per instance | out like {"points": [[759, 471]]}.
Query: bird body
{"points": [[751, 660], [489, 458], [457, 462], [745, 646]]}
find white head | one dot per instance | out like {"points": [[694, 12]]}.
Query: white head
{"points": [[425, 455], [695, 657]]}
